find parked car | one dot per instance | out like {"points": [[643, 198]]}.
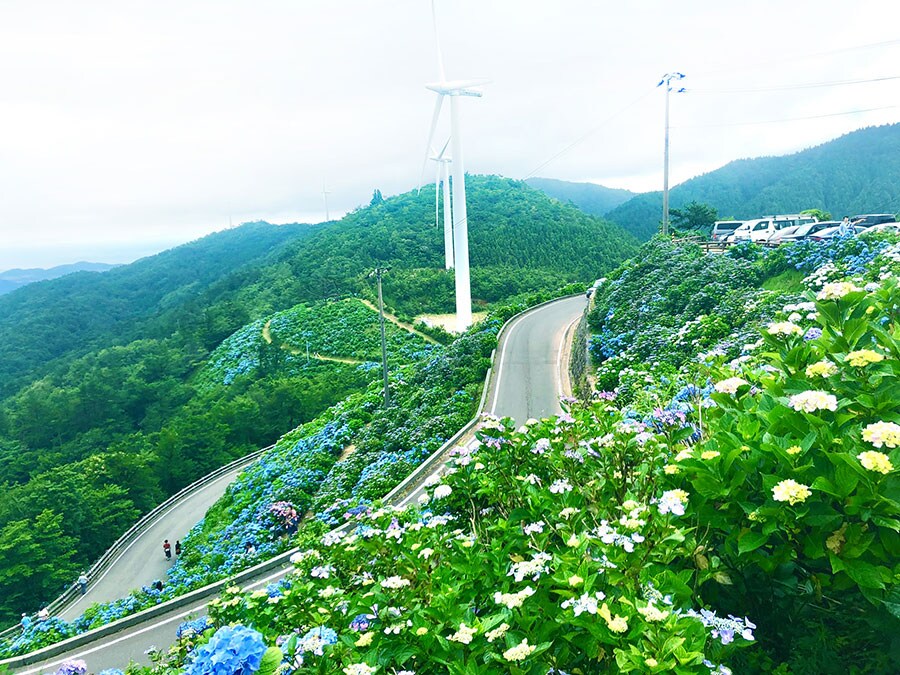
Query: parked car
{"points": [[722, 228], [742, 233], [885, 227], [870, 219], [799, 232], [761, 230], [832, 232]]}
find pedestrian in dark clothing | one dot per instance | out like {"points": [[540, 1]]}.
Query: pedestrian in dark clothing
{"points": [[177, 547]]}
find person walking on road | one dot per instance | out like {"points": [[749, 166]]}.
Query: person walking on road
{"points": [[82, 583], [167, 549], [177, 547]]}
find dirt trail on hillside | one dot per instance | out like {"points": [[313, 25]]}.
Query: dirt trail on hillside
{"points": [[394, 320], [267, 336]]}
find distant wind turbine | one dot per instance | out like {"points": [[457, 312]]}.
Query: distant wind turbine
{"points": [[325, 194], [454, 89], [442, 175]]}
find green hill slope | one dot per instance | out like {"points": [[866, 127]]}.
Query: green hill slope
{"points": [[519, 240], [74, 314], [856, 173], [591, 198]]}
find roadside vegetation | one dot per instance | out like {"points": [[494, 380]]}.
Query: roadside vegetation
{"points": [[736, 511]]}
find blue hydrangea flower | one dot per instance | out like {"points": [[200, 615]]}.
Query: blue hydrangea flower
{"points": [[234, 650]]}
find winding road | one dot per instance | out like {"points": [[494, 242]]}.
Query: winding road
{"points": [[530, 374]]}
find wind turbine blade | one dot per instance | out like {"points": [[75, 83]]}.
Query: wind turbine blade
{"points": [[443, 150], [437, 42], [428, 147]]}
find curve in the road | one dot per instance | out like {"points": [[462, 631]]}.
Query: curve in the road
{"points": [[528, 379]]}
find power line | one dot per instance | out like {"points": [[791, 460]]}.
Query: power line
{"points": [[585, 136], [799, 57], [786, 119], [790, 87]]}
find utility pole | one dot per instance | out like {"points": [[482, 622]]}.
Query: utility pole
{"points": [[377, 273], [667, 80]]}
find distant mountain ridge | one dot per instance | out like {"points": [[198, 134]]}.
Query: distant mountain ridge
{"points": [[16, 278], [591, 198], [856, 173]]}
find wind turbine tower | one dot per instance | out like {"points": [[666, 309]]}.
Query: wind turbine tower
{"points": [[442, 176], [325, 194], [454, 89]]}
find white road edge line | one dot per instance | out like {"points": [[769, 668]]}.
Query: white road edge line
{"points": [[154, 626]]}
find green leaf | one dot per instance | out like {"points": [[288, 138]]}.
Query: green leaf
{"points": [[271, 660], [864, 574], [750, 541]]}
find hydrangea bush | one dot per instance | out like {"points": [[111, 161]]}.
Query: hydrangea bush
{"points": [[553, 548]]}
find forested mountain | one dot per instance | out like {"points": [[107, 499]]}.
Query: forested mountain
{"points": [[589, 197], [16, 278], [519, 240], [149, 298], [856, 173], [108, 403]]}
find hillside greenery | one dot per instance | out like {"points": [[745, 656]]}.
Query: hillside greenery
{"points": [[121, 388], [589, 197], [742, 518], [854, 174]]}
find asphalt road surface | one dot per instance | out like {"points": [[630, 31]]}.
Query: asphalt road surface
{"points": [[143, 561], [531, 368], [529, 379]]}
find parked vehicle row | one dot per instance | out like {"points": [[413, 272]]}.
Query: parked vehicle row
{"points": [[781, 229]]}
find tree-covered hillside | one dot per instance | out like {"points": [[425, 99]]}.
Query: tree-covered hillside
{"points": [[519, 241], [857, 173], [152, 297], [10, 280], [589, 197]]}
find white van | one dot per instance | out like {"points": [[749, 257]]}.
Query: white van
{"points": [[762, 229], [742, 233]]}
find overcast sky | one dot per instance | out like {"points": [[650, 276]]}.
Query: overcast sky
{"points": [[127, 127]]}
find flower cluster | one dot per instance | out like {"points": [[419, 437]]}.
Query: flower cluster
{"points": [[882, 434], [790, 491], [875, 461], [813, 400], [236, 650], [724, 629]]}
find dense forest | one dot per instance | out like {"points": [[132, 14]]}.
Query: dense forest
{"points": [[856, 173], [589, 197], [122, 387]]}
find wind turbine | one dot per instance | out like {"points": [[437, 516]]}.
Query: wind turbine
{"points": [[442, 175], [325, 194], [454, 89]]}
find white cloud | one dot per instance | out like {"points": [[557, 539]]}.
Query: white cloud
{"points": [[159, 121]]}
